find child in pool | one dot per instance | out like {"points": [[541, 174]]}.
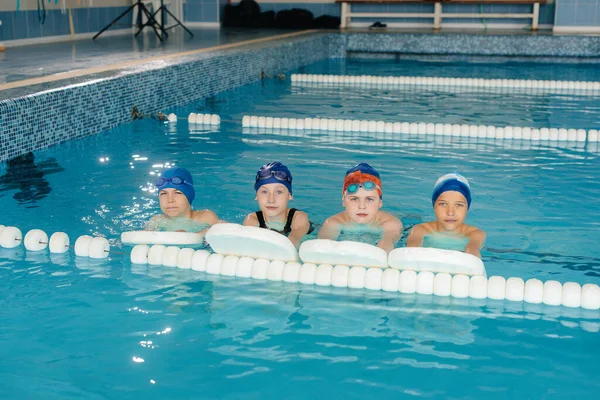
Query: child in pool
{"points": [[451, 201], [273, 185], [362, 198], [176, 194]]}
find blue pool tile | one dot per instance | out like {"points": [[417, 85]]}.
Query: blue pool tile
{"points": [[209, 11], [585, 15], [6, 30], [60, 23], [565, 15], [192, 12], [20, 25]]}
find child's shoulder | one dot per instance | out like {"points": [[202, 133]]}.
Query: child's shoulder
{"points": [[425, 227], [206, 216], [339, 218], [251, 219], [471, 231], [300, 214], [383, 216]]}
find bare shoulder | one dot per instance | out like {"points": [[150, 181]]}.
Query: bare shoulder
{"points": [[206, 216], [335, 219], [385, 217], [423, 228], [251, 220], [474, 232], [300, 217]]}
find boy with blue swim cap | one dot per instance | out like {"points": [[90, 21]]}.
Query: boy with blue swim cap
{"points": [[451, 201], [273, 186], [175, 194], [362, 198]]}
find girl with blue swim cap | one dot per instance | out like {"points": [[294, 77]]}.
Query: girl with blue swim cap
{"points": [[451, 201], [362, 198], [273, 186], [175, 195]]}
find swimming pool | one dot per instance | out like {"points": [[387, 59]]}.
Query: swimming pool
{"points": [[108, 329]]}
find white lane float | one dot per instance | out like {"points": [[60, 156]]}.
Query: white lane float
{"points": [[529, 134], [34, 240], [162, 237], [204, 119], [531, 85], [237, 247], [249, 252]]}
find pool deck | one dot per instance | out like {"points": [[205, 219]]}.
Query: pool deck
{"points": [[37, 64]]}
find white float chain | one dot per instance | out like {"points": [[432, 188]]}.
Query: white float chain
{"points": [[204, 119], [37, 240], [422, 128], [366, 80], [534, 291]]}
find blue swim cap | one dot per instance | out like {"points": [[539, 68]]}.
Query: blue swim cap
{"points": [[177, 178], [364, 168], [455, 182], [274, 172]]}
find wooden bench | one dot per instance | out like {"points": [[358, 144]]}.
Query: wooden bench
{"points": [[438, 13]]}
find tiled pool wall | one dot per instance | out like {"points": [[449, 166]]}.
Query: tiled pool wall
{"points": [[471, 44], [72, 111], [27, 24], [40, 120]]}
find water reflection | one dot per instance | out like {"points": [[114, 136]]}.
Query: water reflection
{"points": [[27, 178]]}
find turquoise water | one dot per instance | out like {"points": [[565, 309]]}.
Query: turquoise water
{"points": [[80, 328]]}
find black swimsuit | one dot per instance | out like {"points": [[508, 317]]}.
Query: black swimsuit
{"points": [[288, 224]]}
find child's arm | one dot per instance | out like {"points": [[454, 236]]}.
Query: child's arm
{"points": [[392, 232], [415, 237], [476, 239], [300, 227], [330, 229]]}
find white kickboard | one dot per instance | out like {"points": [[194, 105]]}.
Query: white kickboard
{"points": [[436, 260], [355, 254], [160, 237], [250, 241]]}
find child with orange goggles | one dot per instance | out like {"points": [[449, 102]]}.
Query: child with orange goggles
{"points": [[362, 199]]}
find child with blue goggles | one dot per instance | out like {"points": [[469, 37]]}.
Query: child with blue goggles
{"points": [[273, 186], [175, 194]]}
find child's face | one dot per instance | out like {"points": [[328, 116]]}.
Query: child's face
{"points": [[273, 199], [451, 210], [362, 206], [174, 203]]}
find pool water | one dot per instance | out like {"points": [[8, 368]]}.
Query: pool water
{"points": [[98, 329]]}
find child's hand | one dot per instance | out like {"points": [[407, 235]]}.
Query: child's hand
{"points": [[386, 244], [473, 250]]}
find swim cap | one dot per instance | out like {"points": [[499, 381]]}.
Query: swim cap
{"points": [[186, 186], [455, 182], [274, 172], [361, 173]]}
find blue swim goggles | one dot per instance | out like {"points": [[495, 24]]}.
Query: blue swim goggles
{"points": [[176, 180], [267, 173], [353, 188]]}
